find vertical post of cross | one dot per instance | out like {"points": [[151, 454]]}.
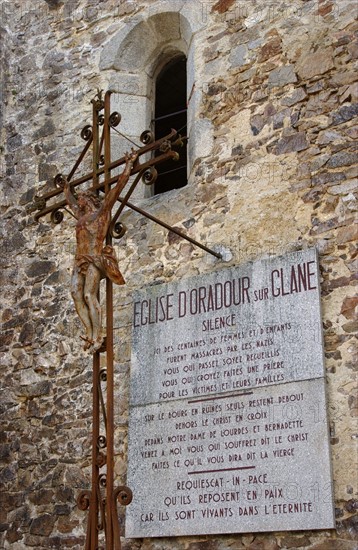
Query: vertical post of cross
{"points": [[110, 508], [96, 491]]}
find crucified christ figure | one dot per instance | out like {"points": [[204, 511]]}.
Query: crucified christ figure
{"points": [[93, 260]]}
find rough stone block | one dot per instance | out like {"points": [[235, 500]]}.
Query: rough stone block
{"points": [[238, 56], [40, 269], [342, 159], [298, 95], [202, 141], [47, 129], [129, 84], [347, 234], [317, 63], [42, 525], [282, 76], [289, 144], [270, 49], [134, 111], [345, 113]]}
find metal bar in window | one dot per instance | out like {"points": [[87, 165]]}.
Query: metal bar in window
{"points": [[171, 114], [170, 171]]}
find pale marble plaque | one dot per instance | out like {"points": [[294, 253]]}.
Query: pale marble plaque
{"points": [[238, 328], [228, 428]]}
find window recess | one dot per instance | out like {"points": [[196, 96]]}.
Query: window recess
{"points": [[171, 112]]}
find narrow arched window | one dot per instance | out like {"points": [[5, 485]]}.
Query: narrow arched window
{"points": [[171, 112]]}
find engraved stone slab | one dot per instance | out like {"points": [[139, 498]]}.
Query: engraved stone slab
{"points": [[238, 328], [228, 428], [255, 461]]}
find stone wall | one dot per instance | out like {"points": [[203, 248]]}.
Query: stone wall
{"points": [[274, 84]]}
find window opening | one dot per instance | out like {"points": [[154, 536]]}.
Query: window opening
{"points": [[171, 112]]}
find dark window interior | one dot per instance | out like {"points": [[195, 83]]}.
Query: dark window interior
{"points": [[170, 112]]}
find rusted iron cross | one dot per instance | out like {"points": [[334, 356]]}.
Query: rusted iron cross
{"points": [[102, 166], [95, 260]]}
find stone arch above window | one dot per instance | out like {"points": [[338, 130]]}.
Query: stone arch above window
{"points": [[131, 60], [136, 48]]}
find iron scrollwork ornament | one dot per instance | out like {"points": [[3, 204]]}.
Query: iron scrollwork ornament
{"points": [[83, 500], [56, 216], [147, 137], [59, 181], [123, 494], [86, 132], [149, 177], [102, 480], [114, 119], [103, 375], [102, 442], [118, 230]]}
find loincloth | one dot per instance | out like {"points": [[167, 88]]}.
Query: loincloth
{"points": [[106, 263]]}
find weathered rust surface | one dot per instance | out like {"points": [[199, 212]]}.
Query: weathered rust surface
{"points": [[94, 260]]}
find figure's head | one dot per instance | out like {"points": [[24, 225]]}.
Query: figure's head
{"points": [[88, 201]]}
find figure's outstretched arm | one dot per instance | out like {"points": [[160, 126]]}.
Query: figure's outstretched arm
{"points": [[114, 193], [71, 201]]}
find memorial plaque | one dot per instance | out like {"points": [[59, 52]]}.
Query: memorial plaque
{"points": [[228, 428]]}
